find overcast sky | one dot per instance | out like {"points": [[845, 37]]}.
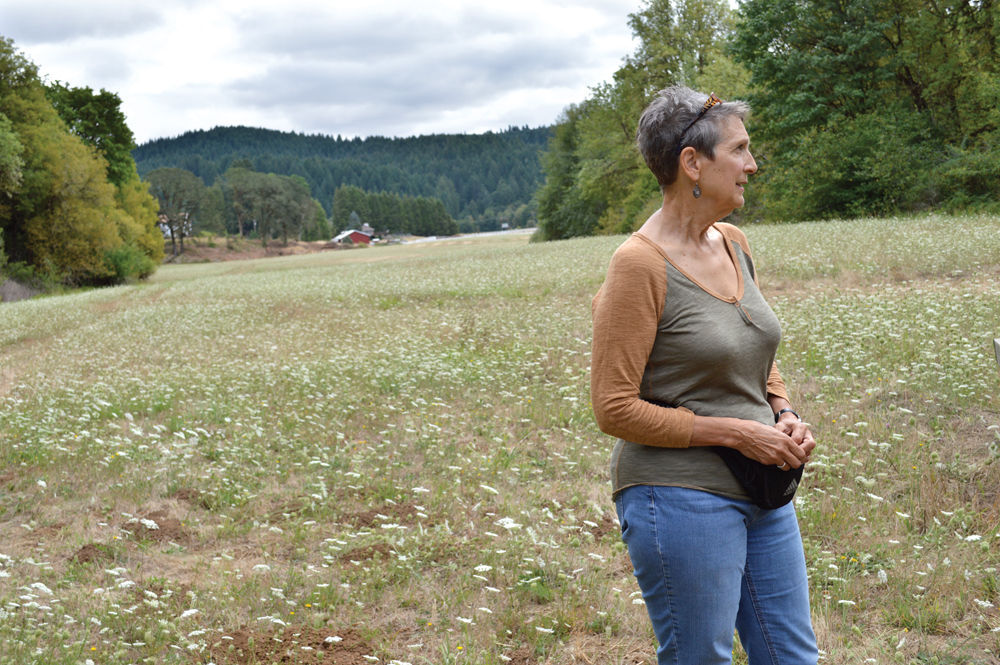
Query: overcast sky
{"points": [[355, 68]]}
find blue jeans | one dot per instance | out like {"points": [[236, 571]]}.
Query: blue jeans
{"points": [[707, 564]]}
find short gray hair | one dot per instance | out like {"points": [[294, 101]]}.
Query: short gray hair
{"points": [[661, 134]]}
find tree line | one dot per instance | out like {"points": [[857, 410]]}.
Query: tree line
{"points": [[860, 108], [483, 180], [241, 202], [267, 206], [390, 213], [72, 207]]}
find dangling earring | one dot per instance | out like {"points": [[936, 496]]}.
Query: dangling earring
{"points": [[696, 191]]}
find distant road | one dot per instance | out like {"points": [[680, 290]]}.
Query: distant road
{"points": [[470, 235]]}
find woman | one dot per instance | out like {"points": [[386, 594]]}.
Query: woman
{"points": [[683, 366]]}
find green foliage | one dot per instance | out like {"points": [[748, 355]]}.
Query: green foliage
{"points": [[318, 227], [562, 210], [267, 205], [138, 225], [872, 108], [860, 108], [180, 194], [127, 263], [98, 120], [212, 220], [59, 213], [595, 179], [390, 213], [11, 163], [845, 170]]}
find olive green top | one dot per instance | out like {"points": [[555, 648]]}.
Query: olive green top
{"points": [[660, 336]]}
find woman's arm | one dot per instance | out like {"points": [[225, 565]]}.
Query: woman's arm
{"points": [[626, 312]]}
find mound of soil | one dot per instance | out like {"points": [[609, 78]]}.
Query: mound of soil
{"points": [[92, 553], [166, 530]]}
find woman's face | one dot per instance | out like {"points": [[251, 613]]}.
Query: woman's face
{"points": [[722, 179]]}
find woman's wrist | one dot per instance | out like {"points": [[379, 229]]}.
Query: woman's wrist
{"points": [[781, 412]]}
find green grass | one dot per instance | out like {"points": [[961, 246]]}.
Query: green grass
{"points": [[398, 442]]}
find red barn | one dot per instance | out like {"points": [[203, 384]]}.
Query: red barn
{"points": [[354, 236]]}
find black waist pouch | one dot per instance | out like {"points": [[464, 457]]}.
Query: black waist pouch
{"points": [[768, 486]]}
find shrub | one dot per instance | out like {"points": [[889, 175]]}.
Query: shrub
{"points": [[128, 263]]}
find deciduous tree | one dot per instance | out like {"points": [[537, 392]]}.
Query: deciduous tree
{"points": [[180, 194]]}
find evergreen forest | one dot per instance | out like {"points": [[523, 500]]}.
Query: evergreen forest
{"points": [[483, 180]]}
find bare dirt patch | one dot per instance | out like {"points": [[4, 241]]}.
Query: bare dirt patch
{"points": [[607, 526], [380, 550], [522, 656], [293, 644], [160, 527], [92, 553], [191, 496], [388, 513]]}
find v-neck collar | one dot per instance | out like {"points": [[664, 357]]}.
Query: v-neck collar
{"points": [[734, 260]]}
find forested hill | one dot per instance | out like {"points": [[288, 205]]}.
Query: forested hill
{"points": [[484, 179]]}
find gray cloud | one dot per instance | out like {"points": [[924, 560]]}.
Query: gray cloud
{"points": [[30, 23], [393, 66], [389, 67]]}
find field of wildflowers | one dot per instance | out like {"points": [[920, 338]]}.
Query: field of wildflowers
{"points": [[388, 455]]}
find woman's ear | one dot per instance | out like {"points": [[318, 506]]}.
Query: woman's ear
{"points": [[690, 163]]}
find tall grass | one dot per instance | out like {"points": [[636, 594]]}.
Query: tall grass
{"points": [[394, 447]]}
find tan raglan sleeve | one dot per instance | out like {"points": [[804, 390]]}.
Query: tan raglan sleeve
{"points": [[775, 384], [626, 312]]}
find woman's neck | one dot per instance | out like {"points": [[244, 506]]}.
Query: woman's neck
{"points": [[679, 221]]}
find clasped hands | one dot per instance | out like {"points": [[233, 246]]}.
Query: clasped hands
{"points": [[788, 444]]}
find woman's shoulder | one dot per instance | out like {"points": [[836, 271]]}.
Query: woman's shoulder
{"points": [[733, 234], [638, 263], [638, 251]]}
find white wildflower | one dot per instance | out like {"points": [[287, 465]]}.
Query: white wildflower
{"points": [[508, 523], [187, 613], [38, 586]]}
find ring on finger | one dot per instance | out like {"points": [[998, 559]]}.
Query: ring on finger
{"points": [[783, 466]]}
